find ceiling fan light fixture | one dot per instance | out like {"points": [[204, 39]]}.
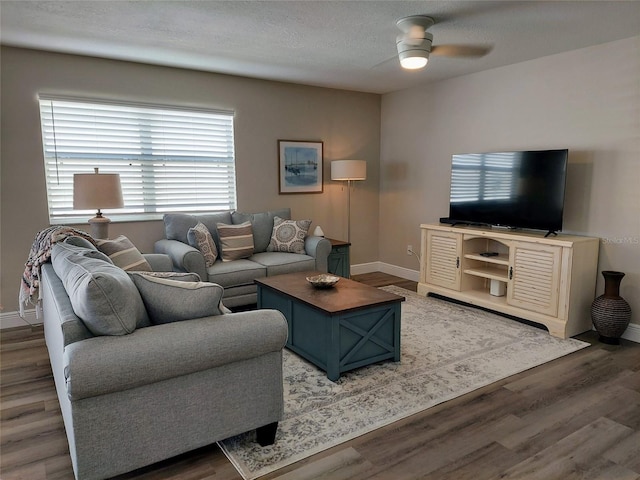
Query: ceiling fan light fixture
{"points": [[413, 63], [416, 56]]}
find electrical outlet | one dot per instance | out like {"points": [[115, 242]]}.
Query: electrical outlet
{"points": [[409, 249]]}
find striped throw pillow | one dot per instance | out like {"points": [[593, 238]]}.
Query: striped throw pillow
{"points": [[236, 241], [124, 254]]}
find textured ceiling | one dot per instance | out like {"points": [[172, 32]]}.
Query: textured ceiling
{"points": [[342, 44]]}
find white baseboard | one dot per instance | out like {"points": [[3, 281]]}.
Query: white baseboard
{"points": [[632, 333], [13, 319], [413, 275], [365, 268]]}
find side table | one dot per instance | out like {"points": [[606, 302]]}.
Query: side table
{"points": [[339, 261]]}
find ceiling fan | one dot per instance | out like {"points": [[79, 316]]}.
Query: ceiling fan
{"points": [[415, 44]]}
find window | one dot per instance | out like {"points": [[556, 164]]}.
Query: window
{"points": [[169, 159]]}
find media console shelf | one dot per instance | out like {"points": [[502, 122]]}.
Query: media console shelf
{"points": [[547, 280]]}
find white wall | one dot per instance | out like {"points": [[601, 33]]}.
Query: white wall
{"points": [[586, 100], [347, 122]]}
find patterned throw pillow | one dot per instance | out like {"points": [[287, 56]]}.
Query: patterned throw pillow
{"points": [[236, 241], [199, 237], [124, 254], [288, 235]]}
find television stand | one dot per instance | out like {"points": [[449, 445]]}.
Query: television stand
{"points": [[549, 281], [551, 232]]}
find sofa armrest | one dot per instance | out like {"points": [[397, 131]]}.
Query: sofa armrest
{"points": [[184, 257], [318, 248], [159, 262], [107, 364]]}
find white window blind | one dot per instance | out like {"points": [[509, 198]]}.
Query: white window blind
{"points": [[169, 159]]}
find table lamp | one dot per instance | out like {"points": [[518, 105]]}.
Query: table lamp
{"points": [[97, 191], [349, 170]]}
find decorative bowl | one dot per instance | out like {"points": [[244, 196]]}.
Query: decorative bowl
{"points": [[324, 280]]}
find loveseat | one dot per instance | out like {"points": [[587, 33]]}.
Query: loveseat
{"points": [[136, 380], [237, 276]]}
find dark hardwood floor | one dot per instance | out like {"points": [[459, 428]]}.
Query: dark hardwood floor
{"points": [[577, 417]]}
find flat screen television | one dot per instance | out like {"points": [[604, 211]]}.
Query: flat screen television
{"points": [[511, 189]]}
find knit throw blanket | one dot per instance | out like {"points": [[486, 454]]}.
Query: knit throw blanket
{"points": [[40, 253]]}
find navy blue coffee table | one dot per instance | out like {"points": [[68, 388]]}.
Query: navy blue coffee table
{"points": [[337, 329]]}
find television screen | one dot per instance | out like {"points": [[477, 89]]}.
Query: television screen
{"points": [[513, 189]]}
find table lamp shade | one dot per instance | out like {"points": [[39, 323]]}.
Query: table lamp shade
{"points": [[97, 191], [349, 170]]}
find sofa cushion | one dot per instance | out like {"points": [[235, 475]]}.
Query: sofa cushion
{"points": [[236, 241], [168, 300], [124, 254], [262, 225], [199, 237], [278, 263], [180, 276], [238, 272], [101, 294], [80, 242], [57, 306], [288, 235]]}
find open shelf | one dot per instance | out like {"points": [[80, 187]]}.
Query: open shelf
{"points": [[488, 271], [500, 259]]}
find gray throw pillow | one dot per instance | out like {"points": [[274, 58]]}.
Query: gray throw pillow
{"points": [[168, 300], [80, 242], [180, 276], [101, 294]]}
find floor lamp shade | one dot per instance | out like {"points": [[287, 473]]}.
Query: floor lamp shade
{"points": [[348, 170], [97, 191]]}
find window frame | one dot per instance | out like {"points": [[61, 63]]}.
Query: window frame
{"points": [[198, 149]]}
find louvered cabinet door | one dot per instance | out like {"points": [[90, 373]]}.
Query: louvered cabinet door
{"points": [[443, 259], [535, 277]]}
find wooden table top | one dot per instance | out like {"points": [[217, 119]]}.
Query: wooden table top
{"points": [[346, 295]]}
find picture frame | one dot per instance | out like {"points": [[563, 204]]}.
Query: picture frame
{"points": [[300, 166]]}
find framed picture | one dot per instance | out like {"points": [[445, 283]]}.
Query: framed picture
{"points": [[300, 166]]}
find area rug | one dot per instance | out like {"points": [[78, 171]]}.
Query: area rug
{"points": [[447, 350]]}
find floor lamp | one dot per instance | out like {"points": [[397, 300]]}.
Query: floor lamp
{"points": [[97, 191], [348, 170]]}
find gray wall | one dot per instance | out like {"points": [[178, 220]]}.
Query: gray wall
{"points": [[347, 122], [586, 100]]}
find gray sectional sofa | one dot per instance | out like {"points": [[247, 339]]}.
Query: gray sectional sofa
{"points": [[145, 392], [237, 276]]}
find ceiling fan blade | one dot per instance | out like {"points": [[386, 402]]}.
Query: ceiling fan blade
{"points": [[460, 50]]}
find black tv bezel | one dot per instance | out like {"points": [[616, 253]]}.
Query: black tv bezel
{"points": [[551, 227]]}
